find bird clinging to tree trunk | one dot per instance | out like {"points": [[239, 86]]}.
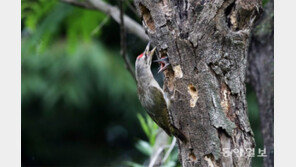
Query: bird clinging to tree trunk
{"points": [[151, 96]]}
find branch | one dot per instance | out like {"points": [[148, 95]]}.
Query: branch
{"points": [[167, 154], [156, 156], [161, 143], [123, 42], [100, 25], [131, 25]]}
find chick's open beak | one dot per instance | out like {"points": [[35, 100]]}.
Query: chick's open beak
{"points": [[164, 63]]}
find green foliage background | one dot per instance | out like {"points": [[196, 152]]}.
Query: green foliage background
{"points": [[79, 103]]}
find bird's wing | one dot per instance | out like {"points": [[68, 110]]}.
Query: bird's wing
{"points": [[159, 109]]}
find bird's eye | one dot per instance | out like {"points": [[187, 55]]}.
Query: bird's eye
{"points": [[141, 55]]}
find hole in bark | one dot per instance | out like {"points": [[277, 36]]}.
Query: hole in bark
{"points": [[170, 25], [184, 35], [194, 95], [147, 17], [178, 71], [195, 70], [192, 89], [163, 53], [229, 8], [225, 101], [230, 16], [168, 73], [210, 160], [222, 131], [192, 157]]}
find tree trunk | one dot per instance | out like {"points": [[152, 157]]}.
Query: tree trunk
{"points": [[260, 72], [206, 43]]}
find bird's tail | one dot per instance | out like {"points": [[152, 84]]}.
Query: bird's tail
{"points": [[178, 134]]}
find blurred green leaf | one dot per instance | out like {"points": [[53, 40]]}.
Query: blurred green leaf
{"points": [[133, 164], [46, 29], [144, 147], [149, 127], [80, 25], [35, 10], [170, 164], [144, 125]]}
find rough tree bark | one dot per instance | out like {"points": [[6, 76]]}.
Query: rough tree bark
{"points": [[260, 74], [207, 45]]}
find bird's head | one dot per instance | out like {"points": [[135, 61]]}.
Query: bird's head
{"points": [[145, 59]]}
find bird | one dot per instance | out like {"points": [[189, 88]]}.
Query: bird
{"points": [[164, 63], [153, 99]]}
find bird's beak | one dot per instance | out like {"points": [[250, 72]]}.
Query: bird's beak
{"points": [[162, 60], [152, 52], [149, 54], [147, 49], [164, 63]]}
